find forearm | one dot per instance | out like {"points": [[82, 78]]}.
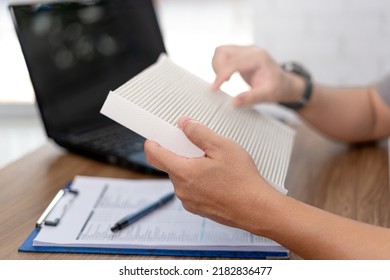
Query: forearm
{"points": [[315, 234], [350, 114], [344, 114]]}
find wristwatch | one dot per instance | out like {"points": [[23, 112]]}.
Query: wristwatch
{"points": [[299, 70]]}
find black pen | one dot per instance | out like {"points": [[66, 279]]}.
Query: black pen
{"points": [[129, 219]]}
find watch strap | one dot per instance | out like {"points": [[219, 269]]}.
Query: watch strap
{"points": [[303, 99], [299, 70]]}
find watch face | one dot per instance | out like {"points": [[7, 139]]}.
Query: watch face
{"points": [[296, 68]]}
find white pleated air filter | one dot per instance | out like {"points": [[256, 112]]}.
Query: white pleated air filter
{"points": [[151, 103]]}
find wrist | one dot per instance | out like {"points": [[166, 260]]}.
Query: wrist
{"points": [[263, 206], [294, 86]]}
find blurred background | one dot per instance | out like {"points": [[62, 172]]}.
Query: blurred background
{"points": [[342, 42]]}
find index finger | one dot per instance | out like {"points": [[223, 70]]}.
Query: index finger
{"points": [[222, 77], [222, 65]]}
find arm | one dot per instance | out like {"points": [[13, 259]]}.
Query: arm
{"points": [[258, 208], [352, 115], [316, 234]]}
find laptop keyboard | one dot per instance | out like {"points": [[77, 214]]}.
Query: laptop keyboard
{"points": [[114, 140]]}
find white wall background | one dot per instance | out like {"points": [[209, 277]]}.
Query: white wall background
{"points": [[342, 42], [192, 29]]}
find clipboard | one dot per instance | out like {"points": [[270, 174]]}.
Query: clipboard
{"points": [[27, 247], [45, 220]]}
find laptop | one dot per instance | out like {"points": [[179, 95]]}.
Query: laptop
{"points": [[76, 52]]}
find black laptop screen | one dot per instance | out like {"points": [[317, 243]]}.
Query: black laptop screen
{"points": [[76, 52]]}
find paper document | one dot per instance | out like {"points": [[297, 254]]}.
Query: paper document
{"points": [[103, 201], [151, 103]]}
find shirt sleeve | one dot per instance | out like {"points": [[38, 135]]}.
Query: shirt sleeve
{"points": [[383, 88]]}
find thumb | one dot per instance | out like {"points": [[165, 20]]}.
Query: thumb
{"points": [[200, 135], [161, 158], [250, 98], [243, 99]]}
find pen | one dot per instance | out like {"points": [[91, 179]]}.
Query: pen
{"points": [[129, 219]]}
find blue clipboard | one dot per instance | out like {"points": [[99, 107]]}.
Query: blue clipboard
{"points": [[27, 246]]}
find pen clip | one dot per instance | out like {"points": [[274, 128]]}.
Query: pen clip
{"points": [[45, 218]]}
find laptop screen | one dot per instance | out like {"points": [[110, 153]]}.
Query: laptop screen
{"points": [[76, 52]]}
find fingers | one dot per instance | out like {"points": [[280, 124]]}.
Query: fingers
{"points": [[222, 55], [162, 158], [221, 63], [200, 135], [197, 133], [222, 77], [230, 59]]}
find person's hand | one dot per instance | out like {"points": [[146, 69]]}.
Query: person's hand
{"points": [[268, 81], [223, 185]]}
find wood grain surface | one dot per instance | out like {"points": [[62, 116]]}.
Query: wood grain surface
{"points": [[351, 181]]}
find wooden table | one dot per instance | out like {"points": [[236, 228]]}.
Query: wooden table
{"points": [[352, 181]]}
